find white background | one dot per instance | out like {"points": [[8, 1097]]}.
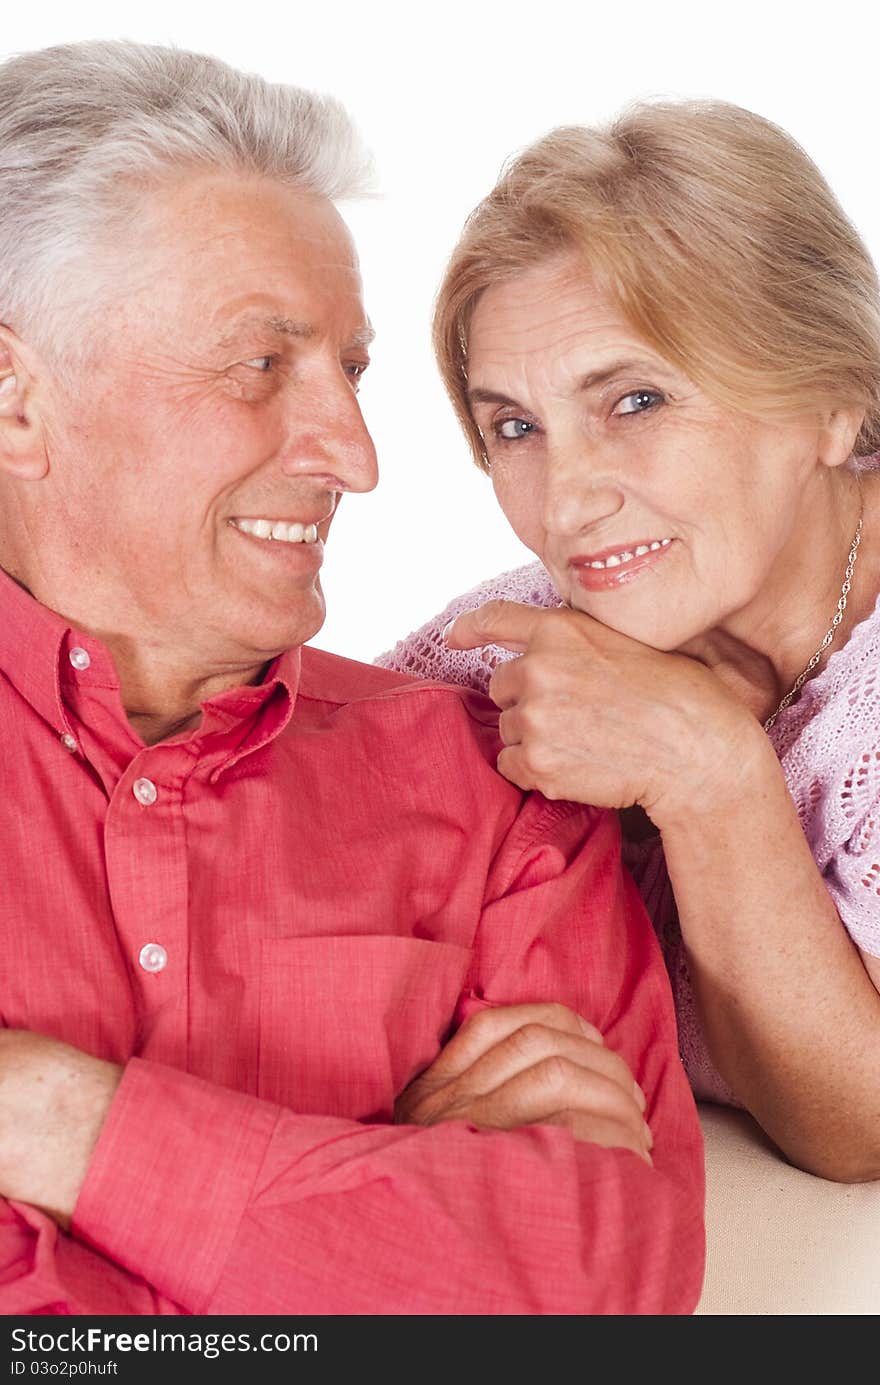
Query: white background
{"points": [[442, 95]]}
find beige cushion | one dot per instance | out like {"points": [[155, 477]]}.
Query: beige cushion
{"points": [[780, 1241]]}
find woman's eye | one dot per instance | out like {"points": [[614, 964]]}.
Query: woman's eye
{"points": [[638, 402], [513, 428]]}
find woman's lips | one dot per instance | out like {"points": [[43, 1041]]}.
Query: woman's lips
{"points": [[620, 565]]}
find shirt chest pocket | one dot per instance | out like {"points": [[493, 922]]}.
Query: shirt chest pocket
{"points": [[346, 1023]]}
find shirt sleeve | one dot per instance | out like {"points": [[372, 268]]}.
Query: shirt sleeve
{"points": [[45, 1272], [225, 1203]]}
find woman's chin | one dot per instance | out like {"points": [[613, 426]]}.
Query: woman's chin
{"points": [[646, 625]]}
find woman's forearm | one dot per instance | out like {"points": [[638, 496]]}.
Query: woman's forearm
{"points": [[791, 1018]]}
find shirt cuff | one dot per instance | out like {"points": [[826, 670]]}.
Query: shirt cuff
{"points": [[170, 1178]]}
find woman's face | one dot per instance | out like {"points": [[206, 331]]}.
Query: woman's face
{"points": [[654, 509]]}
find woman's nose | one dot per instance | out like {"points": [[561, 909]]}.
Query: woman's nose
{"points": [[578, 490]]}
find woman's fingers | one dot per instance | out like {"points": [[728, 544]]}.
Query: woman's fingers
{"points": [[510, 726], [510, 624]]}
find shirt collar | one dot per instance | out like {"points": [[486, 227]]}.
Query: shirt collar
{"points": [[32, 641], [41, 655]]}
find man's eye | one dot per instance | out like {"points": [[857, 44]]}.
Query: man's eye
{"points": [[513, 428], [639, 402], [261, 363]]}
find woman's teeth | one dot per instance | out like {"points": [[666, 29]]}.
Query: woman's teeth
{"points": [[626, 555], [278, 529]]}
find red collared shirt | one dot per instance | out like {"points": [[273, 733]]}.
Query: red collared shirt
{"points": [[275, 922]]}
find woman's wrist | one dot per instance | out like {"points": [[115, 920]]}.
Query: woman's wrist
{"points": [[724, 774]]}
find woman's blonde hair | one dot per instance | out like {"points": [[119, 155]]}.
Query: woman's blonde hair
{"points": [[727, 250]]}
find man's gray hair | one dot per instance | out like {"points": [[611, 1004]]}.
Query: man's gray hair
{"points": [[86, 128]]}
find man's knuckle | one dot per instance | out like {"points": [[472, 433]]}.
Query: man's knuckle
{"points": [[481, 1026], [529, 1040], [556, 1072], [557, 1015]]}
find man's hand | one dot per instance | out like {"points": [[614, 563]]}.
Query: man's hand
{"points": [[53, 1101], [531, 1065]]}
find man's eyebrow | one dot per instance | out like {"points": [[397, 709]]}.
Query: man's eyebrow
{"points": [[364, 336], [587, 382], [290, 327], [287, 326]]}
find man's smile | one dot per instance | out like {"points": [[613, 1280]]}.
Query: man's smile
{"points": [[280, 530]]}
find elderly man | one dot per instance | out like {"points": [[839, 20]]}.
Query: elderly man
{"points": [[251, 889]]}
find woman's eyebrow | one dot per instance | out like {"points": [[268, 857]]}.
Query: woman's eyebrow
{"points": [[622, 367], [591, 381], [488, 397]]}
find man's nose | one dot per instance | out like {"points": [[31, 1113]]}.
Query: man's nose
{"points": [[579, 489], [330, 438]]}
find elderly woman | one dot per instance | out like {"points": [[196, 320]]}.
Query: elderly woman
{"points": [[663, 343]]}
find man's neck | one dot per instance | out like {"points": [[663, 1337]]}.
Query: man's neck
{"points": [[161, 702], [162, 687]]}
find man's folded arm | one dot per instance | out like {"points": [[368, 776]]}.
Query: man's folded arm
{"points": [[224, 1203], [228, 1206]]}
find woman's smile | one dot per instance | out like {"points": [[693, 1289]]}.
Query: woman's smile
{"points": [[614, 567]]}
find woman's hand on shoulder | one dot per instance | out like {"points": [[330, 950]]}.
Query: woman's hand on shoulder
{"points": [[592, 715]]}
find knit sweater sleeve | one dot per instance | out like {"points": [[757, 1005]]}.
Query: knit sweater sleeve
{"points": [[829, 748], [854, 880], [423, 653]]}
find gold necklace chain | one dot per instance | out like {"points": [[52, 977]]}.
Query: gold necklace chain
{"points": [[829, 633]]}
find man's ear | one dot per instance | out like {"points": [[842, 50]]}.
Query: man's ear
{"points": [[22, 448], [837, 435]]}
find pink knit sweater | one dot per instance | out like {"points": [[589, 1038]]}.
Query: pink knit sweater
{"points": [[828, 744]]}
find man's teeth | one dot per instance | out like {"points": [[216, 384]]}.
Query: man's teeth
{"points": [[627, 554], [279, 530]]}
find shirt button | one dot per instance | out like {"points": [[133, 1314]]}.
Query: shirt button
{"points": [[145, 792], [69, 743], [153, 957], [79, 658]]}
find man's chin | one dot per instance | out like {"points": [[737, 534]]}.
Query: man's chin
{"points": [[271, 634]]}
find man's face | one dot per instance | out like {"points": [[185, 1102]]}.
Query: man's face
{"points": [[195, 469]]}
